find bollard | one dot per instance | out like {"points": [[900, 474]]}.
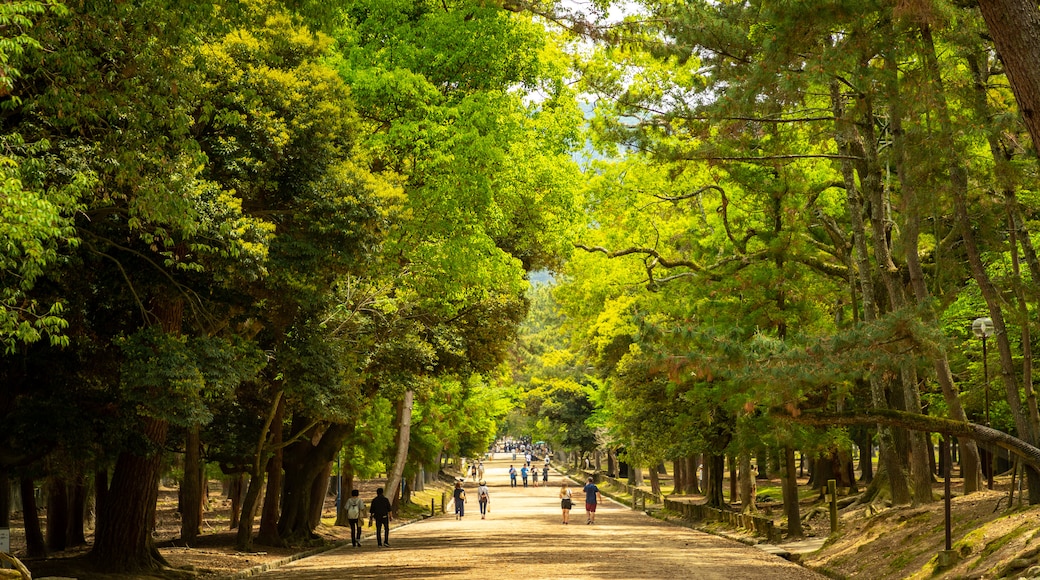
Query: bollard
{"points": [[832, 489], [433, 507], [444, 507]]}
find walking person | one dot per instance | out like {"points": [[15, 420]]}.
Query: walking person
{"points": [[565, 502], [460, 500], [380, 512], [523, 474], [473, 471], [534, 476], [355, 508], [480, 470], [483, 497], [512, 476], [592, 498], [545, 475]]}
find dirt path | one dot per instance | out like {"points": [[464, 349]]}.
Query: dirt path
{"points": [[523, 538]]}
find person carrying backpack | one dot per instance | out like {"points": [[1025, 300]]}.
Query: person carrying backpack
{"points": [[460, 500], [355, 508], [483, 497]]}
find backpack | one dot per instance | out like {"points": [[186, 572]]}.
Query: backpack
{"points": [[353, 510]]}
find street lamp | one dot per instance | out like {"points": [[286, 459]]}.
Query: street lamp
{"points": [[983, 328]]}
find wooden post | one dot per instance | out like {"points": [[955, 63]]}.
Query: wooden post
{"points": [[832, 489], [433, 507]]}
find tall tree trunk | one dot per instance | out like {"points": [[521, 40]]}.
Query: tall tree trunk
{"points": [[235, 485], [850, 144], [35, 546], [268, 532], [75, 531], [57, 513], [789, 485], [747, 484], [716, 470], [308, 463], [191, 491], [655, 481], [5, 499], [123, 539], [866, 455], [693, 484], [1025, 428], [404, 431], [678, 475], [319, 492], [244, 537], [734, 492], [1014, 26]]}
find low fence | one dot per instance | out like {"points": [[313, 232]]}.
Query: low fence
{"points": [[757, 525], [696, 512]]}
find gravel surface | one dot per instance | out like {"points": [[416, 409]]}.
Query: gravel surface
{"points": [[523, 538]]}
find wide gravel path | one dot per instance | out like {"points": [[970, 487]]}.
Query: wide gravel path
{"points": [[523, 539]]}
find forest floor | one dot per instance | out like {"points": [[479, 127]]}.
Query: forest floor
{"points": [[878, 543]]}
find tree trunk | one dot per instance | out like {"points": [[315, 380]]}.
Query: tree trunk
{"points": [[244, 537], [747, 484], [716, 469], [191, 492], [693, 484], [35, 546], [75, 531], [57, 513], [234, 494], [268, 532], [851, 144], [655, 481], [734, 493], [866, 455], [307, 463], [404, 431], [319, 492], [5, 499], [123, 540], [1014, 26], [789, 485]]}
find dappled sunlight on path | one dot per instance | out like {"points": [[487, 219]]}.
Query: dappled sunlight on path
{"points": [[523, 537]]}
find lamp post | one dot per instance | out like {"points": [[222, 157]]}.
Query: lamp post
{"points": [[983, 328]]}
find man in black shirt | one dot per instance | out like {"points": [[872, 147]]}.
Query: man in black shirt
{"points": [[379, 511]]}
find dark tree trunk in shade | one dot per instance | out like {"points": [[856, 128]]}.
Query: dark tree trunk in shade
{"points": [[789, 483], [268, 534], [35, 547], [191, 487], [319, 492], [715, 468], [235, 496], [5, 499], [123, 540], [75, 534], [57, 514], [655, 481], [307, 467], [693, 484]]}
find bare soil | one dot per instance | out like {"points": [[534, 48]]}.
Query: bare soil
{"points": [[523, 537]]}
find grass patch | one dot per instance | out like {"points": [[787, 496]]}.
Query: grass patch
{"points": [[999, 542]]}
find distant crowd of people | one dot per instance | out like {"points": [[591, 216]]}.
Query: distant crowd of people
{"points": [[380, 511]]}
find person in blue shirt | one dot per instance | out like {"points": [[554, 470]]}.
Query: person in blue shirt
{"points": [[592, 498], [523, 474], [512, 476]]}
